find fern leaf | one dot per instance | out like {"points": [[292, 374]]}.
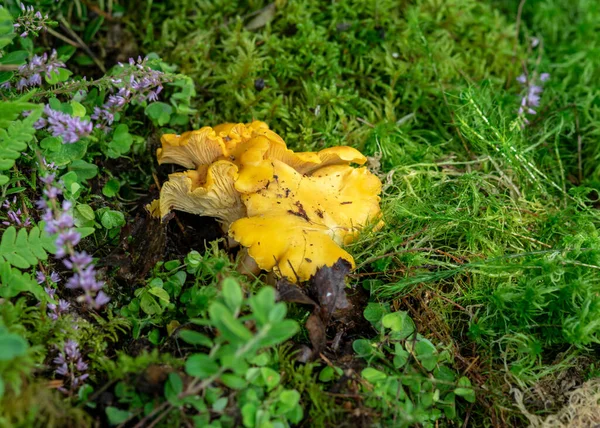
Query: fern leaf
{"points": [[14, 139], [23, 250], [13, 282]]}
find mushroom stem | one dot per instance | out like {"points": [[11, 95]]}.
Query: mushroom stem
{"points": [[247, 266]]}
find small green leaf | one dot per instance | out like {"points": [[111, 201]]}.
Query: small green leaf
{"points": [[374, 312], [172, 264], [57, 76], [85, 211], [232, 293], [117, 416], [399, 322], [373, 375], [149, 305], [159, 112], [400, 357], [201, 366], [121, 142], [220, 404], [78, 109], [12, 346], [194, 338], [362, 347], [280, 332], [232, 381], [262, 303], [466, 393], [288, 399], [173, 387], [161, 293], [111, 219], [327, 374], [249, 414], [83, 169], [111, 188]]}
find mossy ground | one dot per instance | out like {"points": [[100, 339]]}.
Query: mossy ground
{"points": [[491, 240]]}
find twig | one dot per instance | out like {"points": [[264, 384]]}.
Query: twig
{"points": [[518, 25], [63, 38], [99, 11], [82, 44], [8, 67]]}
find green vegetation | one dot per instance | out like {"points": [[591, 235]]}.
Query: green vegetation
{"points": [[478, 302]]}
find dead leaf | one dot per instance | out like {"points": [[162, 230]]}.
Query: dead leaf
{"points": [[328, 285], [289, 292], [326, 293], [264, 16], [316, 332]]}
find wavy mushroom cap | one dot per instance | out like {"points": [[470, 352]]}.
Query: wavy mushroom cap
{"points": [[153, 208], [256, 155], [339, 198], [287, 244], [191, 149], [208, 191]]}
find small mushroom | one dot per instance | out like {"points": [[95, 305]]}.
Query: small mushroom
{"points": [[207, 191]]}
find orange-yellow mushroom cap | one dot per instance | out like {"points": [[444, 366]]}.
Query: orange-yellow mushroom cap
{"points": [[287, 244], [340, 198], [191, 149], [208, 191], [297, 223]]}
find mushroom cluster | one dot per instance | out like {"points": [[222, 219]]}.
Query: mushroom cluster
{"points": [[290, 211]]}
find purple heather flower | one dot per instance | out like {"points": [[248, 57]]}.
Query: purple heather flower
{"points": [[63, 125], [40, 277], [31, 21], [31, 73], [65, 240], [14, 215], [140, 83], [533, 92], [71, 366], [60, 222], [55, 311]]}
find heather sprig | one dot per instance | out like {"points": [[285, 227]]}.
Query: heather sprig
{"points": [[532, 84], [31, 73], [138, 83], [70, 128], [14, 215], [71, 366], [55, 309], [59, 221], [31, 21]]}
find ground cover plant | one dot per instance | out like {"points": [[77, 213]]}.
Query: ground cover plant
{"points": [[476, 304]]}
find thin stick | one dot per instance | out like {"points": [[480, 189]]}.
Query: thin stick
{"points": [[518, 25], [82, 44], [63, 38]]}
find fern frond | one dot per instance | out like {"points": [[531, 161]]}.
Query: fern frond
{"points": [[23, 250], [15, 134], [13, 282]]}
